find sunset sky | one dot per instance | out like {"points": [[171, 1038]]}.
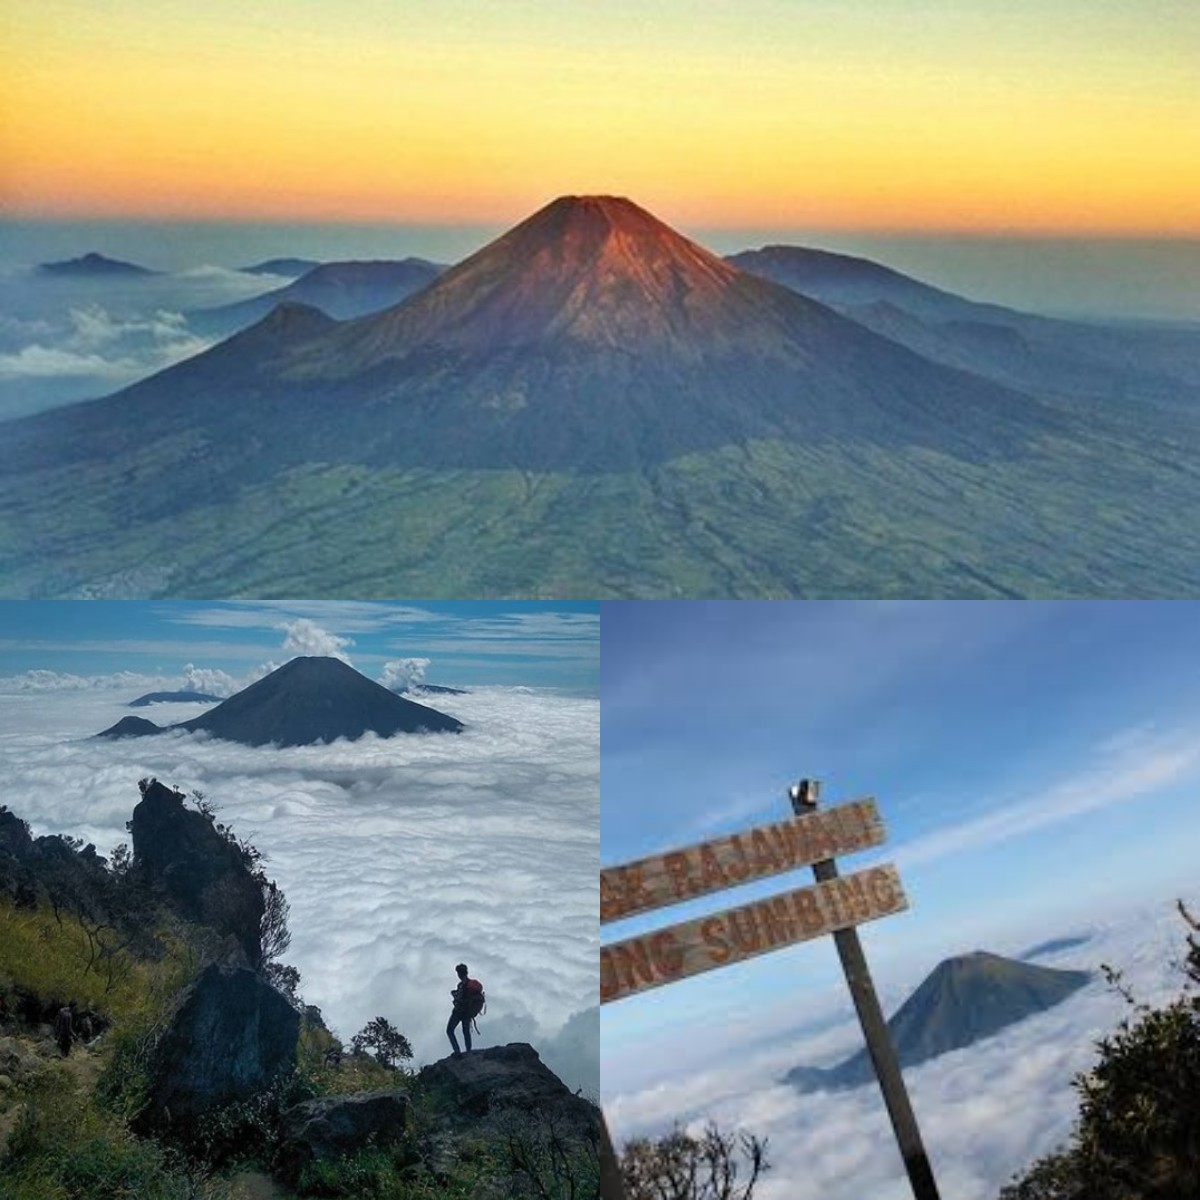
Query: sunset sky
{"points": [[1052, 116]]}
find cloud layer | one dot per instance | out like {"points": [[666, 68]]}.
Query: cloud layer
{"points": [[400, 856], [985, 1111]]}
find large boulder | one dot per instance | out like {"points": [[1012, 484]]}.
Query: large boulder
{"points": [[230, 1036], [17, 1061], [334, 1126], [201, 873], [504, 1078]]}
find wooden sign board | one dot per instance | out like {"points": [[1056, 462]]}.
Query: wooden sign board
{"points": [[691, 947], [724, 862]]}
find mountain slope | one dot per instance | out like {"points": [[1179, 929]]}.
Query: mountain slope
{"points": [[961, 1002], [591, 406], [589, 338], [1158, 364]]}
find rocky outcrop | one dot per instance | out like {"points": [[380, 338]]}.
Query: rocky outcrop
{"points": [[15, 839], [231, 1035], [333, 1126], [18, 1062], [504, 1078], [203, 875]]}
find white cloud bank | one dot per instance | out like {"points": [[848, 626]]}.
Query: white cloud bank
{"points": [[400, 856], [986, 1111]]}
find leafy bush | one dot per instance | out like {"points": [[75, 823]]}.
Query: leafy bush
{"points": [[1138, 1132]]}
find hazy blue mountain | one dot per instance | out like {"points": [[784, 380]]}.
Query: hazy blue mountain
{"points": [[339, 289], [432, 688], [94, 266], [291, 268], [128, 727], [1112, 361], [962, 1001], [173, 697], [1055, 945]]}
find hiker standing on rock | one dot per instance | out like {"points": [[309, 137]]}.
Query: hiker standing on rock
{"points": [[468, 1003], [64, 1028]]}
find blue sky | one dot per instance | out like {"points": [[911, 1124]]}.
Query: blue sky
{"points": [[1035, 763], [505, 643]]}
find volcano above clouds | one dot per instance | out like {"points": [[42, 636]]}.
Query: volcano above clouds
{"points": [[591, 337], [964, 1000], [306, 701], [594, 405]]}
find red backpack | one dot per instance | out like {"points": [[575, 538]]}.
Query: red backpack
{"points": [[474, 1001]]}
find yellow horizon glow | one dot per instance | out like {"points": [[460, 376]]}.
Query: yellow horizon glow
{"points": [[376, 112]]}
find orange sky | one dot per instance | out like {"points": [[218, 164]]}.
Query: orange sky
{"points": [[1058, 116]]}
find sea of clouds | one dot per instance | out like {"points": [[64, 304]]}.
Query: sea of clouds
{"points": [[67, 339], [400, 856], [985, 1111]]}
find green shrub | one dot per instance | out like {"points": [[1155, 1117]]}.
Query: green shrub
{"points": [[64, 1148], [1138, 1132]]}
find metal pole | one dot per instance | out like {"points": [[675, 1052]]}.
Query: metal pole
{"points": [[870, 1015], [612, 1185]]}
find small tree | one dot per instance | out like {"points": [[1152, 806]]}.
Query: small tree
{"points": [[389, 1044], [286, 981], [274, 935], [682, 1167]]}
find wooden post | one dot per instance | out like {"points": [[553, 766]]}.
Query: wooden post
{"points": [[612, 1186], [879, 1043]]}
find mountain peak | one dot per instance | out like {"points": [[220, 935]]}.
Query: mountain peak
{"points": [[963, 1000], [583, 270]]}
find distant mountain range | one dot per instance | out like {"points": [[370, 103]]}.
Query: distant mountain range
{"points": [[307, 700], [1011, 348], [340, 290], [431, 688], [173, 697], [291, 268], [94, 266], [593, 405], [963, 1001]]}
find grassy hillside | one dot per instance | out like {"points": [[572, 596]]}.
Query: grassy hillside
{"points": [[1107, 513]]}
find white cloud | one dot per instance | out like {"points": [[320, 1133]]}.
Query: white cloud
{"points": [[214, 682], [112, 349], [401, 673], [303, 636], [986, 1111], [400, 857], [57, 681], [346, 616], [1127, 766]]}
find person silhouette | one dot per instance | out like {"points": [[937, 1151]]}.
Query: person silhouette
{"points": [[64, 1028], [459, 1014]]}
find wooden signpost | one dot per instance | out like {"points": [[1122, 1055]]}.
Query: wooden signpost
{"points": [[835, 905]]}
